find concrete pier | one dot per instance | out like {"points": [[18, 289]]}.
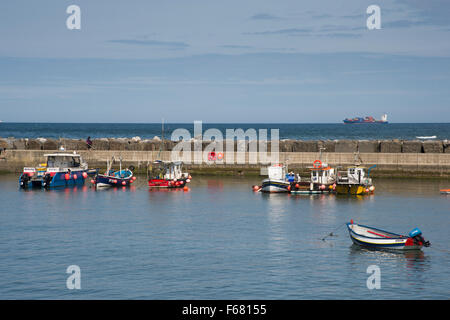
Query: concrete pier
{"points": [[392, 157]]}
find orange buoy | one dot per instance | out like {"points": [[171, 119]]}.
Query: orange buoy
{"points": [[186, 188], [84, 175], [124, 183], [93, 181], [75, 177], [297, 185], [67, 176]]}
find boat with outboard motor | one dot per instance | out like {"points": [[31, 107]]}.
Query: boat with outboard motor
{"points": [[113, 178], [167, 175], [278, 181], [59, 170], [379, 239]]}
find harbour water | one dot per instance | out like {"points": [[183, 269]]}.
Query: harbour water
{"points": [[332, 131], [219, 240]]}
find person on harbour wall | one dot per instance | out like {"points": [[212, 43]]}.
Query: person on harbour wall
{"points": [[89, 143]]}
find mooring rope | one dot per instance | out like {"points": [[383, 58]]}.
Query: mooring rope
{"points": [[331, 234]]}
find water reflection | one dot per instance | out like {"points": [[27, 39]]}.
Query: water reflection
{"points": [[414, 260]]}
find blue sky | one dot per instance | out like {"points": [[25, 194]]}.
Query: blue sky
{"points": [[228, 61]]}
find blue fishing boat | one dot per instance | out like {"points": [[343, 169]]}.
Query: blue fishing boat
{"points": [[113, 178], [379, 239], [59, 170]]}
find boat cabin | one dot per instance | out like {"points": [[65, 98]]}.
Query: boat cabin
{"points": [[64, 161], [353, 175], [323, 175], [168, 171], [277, 172]]}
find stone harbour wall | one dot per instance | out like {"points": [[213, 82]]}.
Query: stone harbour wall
{"points": [[391, 157], [136, 144]]}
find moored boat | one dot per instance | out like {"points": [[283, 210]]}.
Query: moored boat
{"points": [[113, 178], [277, 181], [167, 175], [379, 239], [354, 181], [59, 170], [323, 180], [445, 191]]}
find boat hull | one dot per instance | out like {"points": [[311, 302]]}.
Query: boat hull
{"points": [[103, 181], [54, 180], [275, 186], [351, 189], [165, 183], [359, 236]]}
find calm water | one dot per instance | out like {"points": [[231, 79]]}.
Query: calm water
{"points": [[217, 241], [406, 131]]}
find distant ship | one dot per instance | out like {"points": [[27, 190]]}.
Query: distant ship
{"points": [[368, 119]]}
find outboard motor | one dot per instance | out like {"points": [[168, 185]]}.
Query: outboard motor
{"points": [[416, 235], [24, 180], [47, 179]]}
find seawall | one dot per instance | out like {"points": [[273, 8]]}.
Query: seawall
{"points": [[392, 157]]}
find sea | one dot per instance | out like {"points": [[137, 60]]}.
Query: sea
{"points": [[332, 131], [218, 240]]}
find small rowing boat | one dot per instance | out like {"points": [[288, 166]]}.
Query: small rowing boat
{"points": [[379, 239], [445, 191], [112, 178]]}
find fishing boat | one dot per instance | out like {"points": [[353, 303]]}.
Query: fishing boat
{"points": [[379, 239], [59, 170], [277, 181], [167, 175], [445, 191], [354, 181], [323, 180], [113, 178]]}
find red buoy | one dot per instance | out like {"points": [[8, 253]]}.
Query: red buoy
{"points": [[67, 176], [84, 175], [75, 176]]}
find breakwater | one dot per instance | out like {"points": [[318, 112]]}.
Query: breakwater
{"points": [[392, 157]]}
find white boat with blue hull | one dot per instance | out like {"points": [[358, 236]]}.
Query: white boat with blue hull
{"points": [[379, 239], [277, 180], [60, 170], [113, 178]]}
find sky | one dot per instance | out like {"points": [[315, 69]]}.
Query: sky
{"points": [[258, 61]]}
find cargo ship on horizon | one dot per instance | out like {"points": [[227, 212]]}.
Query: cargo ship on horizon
{"points": [[368, 119]]}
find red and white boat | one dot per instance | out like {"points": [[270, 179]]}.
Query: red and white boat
{"points": [[167, 175]]}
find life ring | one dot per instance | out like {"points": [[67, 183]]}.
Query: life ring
{"points": [[317, 166]]}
